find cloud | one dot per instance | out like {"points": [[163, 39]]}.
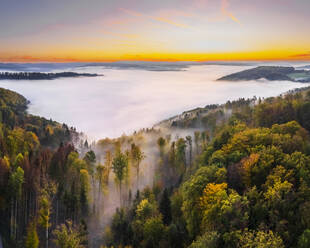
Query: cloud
{"points": [[226, 12], [122, 35], [302, 55], [154, 18]]}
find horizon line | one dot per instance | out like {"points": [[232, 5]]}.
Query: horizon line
{"points": [[59, 61]]}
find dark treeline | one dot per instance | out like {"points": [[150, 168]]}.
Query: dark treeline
{"points": [[41, 75]]}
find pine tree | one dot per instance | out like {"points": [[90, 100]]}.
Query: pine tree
{"points": [[165, 207]]}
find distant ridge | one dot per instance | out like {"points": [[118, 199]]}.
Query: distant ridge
{"points": [[272, 73], [42, 76]]}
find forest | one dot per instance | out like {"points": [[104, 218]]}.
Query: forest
{"points": [[231, 175]]}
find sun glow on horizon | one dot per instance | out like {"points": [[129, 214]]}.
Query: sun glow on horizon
{"points": [[204, 30]]}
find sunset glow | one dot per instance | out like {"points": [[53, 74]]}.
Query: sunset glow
{"points": [[200, 30]]}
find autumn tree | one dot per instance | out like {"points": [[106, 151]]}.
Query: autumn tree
{"points": [[44, 215], [100, 170], [67, 236], [260, 239], [32, 240], [120, 167], [108, 166], [137, 156], [16, 181]]}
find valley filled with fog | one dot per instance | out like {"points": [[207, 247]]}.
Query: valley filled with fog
{"points": [[123, 100]]}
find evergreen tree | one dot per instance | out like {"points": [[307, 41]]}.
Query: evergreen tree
{"points": [[165, 207]]}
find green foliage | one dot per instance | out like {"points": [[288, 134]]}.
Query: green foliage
{"points": [[44, 212], [90, 159], [304, 239], [180, 156], [153, 231], [192, 191], [67, 236], [208, 240], [120, 166], [260, 239], [165, 207], [146, 209], [32, 240], [16, 182]]}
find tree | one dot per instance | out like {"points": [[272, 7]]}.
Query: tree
{"points": [[84, 181], [120, 167], [190, 145], [90, 159], [32, 240], [165, 207], [16, 181], [136, 156], [208, 240], [205, 138], [153, 232], [192, 191], [44, 215], [108, 166], [100, 177], [172, 155], [197, 139], [67, 236], [161, 142], [120, 228], [260, 239], [223, 210], [181, 154], [146, 209], [304, 239]]}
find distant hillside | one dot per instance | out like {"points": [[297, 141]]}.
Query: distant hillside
{"points": [[13, 114], [41, 76], [272, 73]]}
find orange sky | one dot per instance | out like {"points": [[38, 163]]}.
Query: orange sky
{"points": [[171, 30]]}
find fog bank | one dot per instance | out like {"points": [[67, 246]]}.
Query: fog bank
{"points": [[122, 101]]}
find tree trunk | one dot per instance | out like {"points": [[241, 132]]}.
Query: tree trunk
{"points": [[138, 172], [57, 207], [94, 194], [99, 194], [12, 217], [46, 235], [15, 221], [120, 194]]}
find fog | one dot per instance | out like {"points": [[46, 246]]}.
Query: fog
{"points": [[123, 100]]}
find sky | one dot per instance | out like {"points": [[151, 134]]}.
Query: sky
{"points": [[154, 30]]}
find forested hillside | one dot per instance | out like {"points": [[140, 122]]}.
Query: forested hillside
{"points": [[232, 175], [29, 191], [242, 183]]}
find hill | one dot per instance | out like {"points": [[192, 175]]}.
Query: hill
{"points": [[41, 75], [272, 73]]}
